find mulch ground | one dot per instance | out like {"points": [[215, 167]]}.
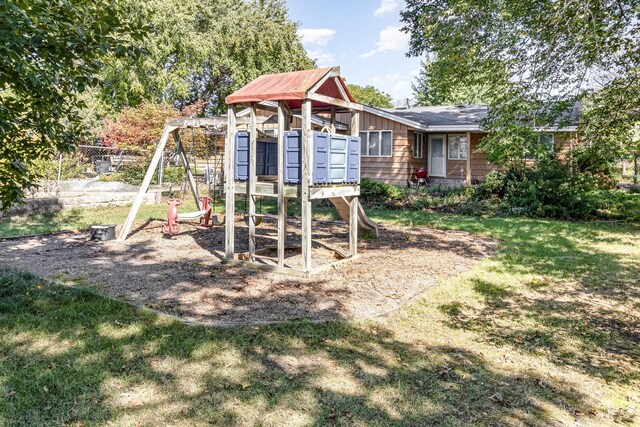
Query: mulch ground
{"points": [[184, 275]]}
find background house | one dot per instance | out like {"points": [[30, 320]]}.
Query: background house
{"points": [[443, 139]]}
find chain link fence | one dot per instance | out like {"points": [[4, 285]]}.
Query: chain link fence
{"points": [[98, 169]]}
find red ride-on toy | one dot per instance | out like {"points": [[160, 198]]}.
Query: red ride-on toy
{"points": [[204, 214]]}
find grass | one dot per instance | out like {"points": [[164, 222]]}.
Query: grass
{"points": [[545, 332], [75, 219]]}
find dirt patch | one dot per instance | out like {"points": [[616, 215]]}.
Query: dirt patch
{"points": [[184, 275]]}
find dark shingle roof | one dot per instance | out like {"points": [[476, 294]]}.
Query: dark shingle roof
{"points": [[447, 115]]}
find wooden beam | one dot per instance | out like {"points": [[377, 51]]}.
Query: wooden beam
{"points": [[187, 168], [343, 93], [268, 189], [306, 176], [126, 228], [330, 191], [468, 166], [354, 203], [282, 213], [251, 190], [230, 195], [334, 101], [267, 267], [335, 71]]}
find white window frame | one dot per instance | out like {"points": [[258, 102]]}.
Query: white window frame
{"points": [[379, 132], [418, 145], [274, 130], [459, 149]]}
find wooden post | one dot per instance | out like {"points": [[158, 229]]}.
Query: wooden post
{"points": [[161, 170], [306, 176], [282, 201], [468, 167], [353, 203], [187, 168], [229, 176], [145, 183], [251, 187]]}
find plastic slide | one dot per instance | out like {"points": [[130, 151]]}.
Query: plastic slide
{"points": [[364, 222]]}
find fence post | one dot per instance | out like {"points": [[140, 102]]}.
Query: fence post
{"points": [[59, 175]]}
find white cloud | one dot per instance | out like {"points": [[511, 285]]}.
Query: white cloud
{"points": [[323, 59], [316, 36], [391, 39], [386, 6], [395, 84]]}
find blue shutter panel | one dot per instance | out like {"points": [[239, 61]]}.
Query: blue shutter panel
{"points": [[353, 171], [338, 159], [292, 157], [271, 159], [241, 166], [261, 155], [320, 158]]}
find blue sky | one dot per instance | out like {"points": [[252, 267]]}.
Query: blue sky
{"points": [[363, 37]]}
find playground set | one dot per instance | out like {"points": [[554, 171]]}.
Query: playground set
{"points": [[307, 164]]}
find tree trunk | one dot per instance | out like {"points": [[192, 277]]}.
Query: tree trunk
{"points": [[635, 169]]}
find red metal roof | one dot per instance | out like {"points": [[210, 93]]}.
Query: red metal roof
{"points": [[291, 87]]}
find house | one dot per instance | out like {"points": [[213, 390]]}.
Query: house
{"points": [[443, 139]]}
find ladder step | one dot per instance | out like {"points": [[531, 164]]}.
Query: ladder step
{"points": [[270, 258], [264, 215], [264, 195], [263, 236]]}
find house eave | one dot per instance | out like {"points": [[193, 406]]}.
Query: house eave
{"points": [[412, 124]]}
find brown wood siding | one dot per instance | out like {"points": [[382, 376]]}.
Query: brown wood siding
{"points": [[480, 166], [394, 169]]}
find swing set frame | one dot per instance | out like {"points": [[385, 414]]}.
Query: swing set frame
{"points": [[172, 129]]}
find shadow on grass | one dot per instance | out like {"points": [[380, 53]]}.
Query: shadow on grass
{"points": [[71, 356], [581, 307]]}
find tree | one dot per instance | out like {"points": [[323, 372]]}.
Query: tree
{"points": [[429, 89], [536, 61], [371, 96], [204, 50], [139, 126], [52, 52]]}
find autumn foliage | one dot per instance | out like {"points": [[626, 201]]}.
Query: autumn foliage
{"points": [[142, 126], [139, 127]]}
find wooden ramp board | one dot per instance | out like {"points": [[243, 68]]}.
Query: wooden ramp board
{"points": [[364, 222]]}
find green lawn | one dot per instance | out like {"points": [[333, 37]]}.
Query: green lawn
{"points": [[545, 332], [82, 218]]}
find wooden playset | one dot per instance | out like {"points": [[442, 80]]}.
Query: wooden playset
{"points": [[302, 163]]}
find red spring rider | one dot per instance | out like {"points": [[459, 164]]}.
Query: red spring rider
{"points": [[172, 226], [205, 205]]}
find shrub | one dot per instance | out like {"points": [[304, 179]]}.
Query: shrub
{"points": [[548, 189], [375, 193], [134, 174], [73, 167]]}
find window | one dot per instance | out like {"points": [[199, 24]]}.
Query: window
{"points": [[418, 145], [457, 147], [376, 143], [271, 132], [547, 141]]}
